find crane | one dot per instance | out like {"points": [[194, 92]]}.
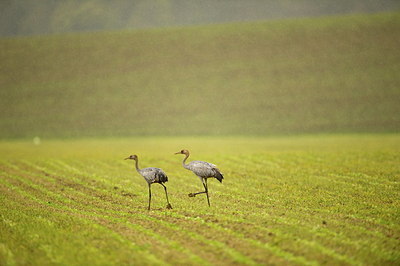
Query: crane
{"points": [[203, 170], [152, 175]]}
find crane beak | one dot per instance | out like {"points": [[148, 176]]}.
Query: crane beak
{"points": [[177, 152], [126, 158]]}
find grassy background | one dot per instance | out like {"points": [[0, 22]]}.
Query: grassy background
{"points": [[336, 74], [287, 200]]}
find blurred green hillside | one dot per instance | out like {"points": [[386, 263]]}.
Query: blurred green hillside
{"points": [[319, 75]]}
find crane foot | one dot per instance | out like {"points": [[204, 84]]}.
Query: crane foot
{"points": [[169, 206], [191, 195]]}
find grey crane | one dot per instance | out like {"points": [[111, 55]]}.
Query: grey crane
{"points": [[203, 170], [152, 175]]}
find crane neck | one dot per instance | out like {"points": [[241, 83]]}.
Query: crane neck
{"points": [[184, 160], [137, 165]]}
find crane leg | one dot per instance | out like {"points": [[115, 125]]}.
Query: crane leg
{"points": [[205, 191], [149, 197], [197, 193], [206, 187], [166, 195]]}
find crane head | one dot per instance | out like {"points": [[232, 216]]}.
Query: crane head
{"points": [[186, 152], [132, 157]]}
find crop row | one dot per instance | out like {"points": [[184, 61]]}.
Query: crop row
{"points": [[268, 210]]}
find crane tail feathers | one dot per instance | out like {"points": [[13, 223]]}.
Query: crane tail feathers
{"points": [[219, 176], [162, 177]]}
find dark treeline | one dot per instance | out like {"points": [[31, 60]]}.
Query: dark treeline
{"points": [[21, 17]]}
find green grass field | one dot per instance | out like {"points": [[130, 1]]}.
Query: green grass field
{"points": [[308, 200]]}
